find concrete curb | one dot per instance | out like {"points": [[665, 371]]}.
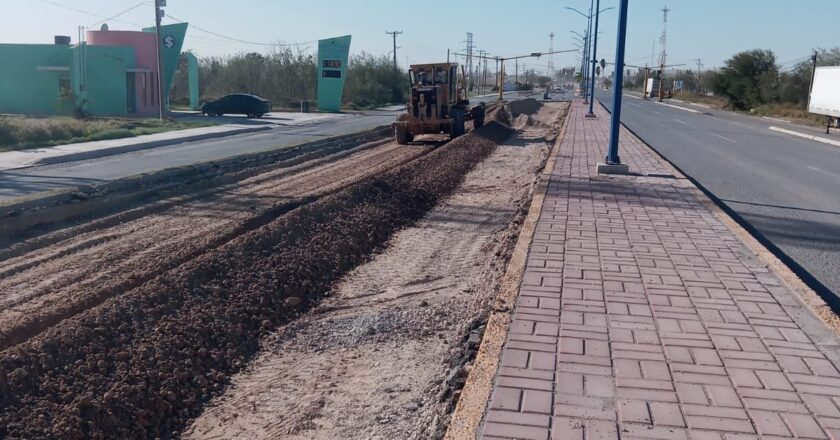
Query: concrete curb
{"points": [[475, 397], [86, 155], [810, 137]]}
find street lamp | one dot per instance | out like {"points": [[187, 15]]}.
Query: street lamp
{"points": [[612, 163]]}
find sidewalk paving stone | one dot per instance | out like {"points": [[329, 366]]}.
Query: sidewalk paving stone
{"points": [[642, 315]]}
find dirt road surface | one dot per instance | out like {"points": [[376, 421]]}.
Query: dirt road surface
{"points": [[384, 355]]}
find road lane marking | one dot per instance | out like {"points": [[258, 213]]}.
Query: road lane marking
{"points": [[806, 136], [681, 121], [775, 119], [723, 137], [631, 96], [691, 110]]}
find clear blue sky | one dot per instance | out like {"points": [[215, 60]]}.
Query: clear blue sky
{"points": [[708, 29]]}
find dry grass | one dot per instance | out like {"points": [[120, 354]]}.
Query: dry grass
{"points": [[22, 133], [712, 101], [792, 112]]}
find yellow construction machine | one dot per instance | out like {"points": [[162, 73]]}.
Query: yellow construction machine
{"points": [[438, 103]]}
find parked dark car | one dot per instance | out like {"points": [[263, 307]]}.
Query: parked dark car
{"points": [[237, 104]]}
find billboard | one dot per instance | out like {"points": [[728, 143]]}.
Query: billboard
{"points": [[825, 92], [333, 54]]}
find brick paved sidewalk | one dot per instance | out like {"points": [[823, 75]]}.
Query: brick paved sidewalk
{"points": [[641, 315]]}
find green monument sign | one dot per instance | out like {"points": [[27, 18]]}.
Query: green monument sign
{"points": [[332, 71], [171, 41]]}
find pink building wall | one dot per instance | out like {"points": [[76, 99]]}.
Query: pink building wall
{"points": [[146, 62]]}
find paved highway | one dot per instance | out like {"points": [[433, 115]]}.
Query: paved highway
{"points": [[786, 187], [21, 182]]}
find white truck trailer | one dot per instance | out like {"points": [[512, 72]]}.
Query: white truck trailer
{"points": [[825, 94]]}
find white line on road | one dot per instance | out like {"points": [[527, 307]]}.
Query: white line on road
{"points": [[678, 107], [723, 137], [631, 96], [806, 136], [822, 171], [775, 119], [681, 121]]}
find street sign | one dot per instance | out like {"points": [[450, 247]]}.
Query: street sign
{"points": [[169, 41]]}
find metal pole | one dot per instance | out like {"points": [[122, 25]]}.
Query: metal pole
{"points": [[586, 97], [661, 78], [615, 123], [501, 80], [160, 81], [591, 113]]}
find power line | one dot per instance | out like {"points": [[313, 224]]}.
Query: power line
{"points": [[82, 11], [254, 43], [119, 14]]}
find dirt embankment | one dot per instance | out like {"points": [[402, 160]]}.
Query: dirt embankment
{"points": [[385, 355], [145, 362], [74, 269]]}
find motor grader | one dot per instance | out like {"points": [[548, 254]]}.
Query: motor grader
{"points": [[438, 103]]}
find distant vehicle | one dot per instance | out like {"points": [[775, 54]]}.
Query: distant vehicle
{"points": [[237, 104], [558, 89], [825, 94]]}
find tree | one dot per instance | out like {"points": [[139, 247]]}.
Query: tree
{"points": [[749, 79]]}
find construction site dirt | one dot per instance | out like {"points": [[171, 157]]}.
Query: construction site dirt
{"points": [[335, 297]]}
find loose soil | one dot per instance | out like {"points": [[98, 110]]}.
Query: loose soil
{"points": [[80, 267], [384, 356], [142, 363]]}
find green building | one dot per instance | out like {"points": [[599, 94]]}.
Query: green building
{"points": [[113, 73]]}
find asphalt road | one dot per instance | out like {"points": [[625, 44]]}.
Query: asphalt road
{"points": [[27, 181], [786, 187]]}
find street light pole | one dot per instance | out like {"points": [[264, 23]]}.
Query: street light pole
{"points": [[586, 97], [159, 4], [591, 113], [612, 163]]}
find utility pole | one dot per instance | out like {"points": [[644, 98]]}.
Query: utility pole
{"points": [[516, 74], [394, 35], [159, 5], [699, 86], [469, 66], [498, 80], [551, 57]]}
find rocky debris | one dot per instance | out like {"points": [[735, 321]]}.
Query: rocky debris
{"points": [[142, 364]]}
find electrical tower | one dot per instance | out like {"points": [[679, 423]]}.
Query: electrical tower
{"points": [[469, 63], [551, 57], [663, 40], [394, 34]]}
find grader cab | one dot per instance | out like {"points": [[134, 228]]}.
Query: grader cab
{"points": [[438, 103]]}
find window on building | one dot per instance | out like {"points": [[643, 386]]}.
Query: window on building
{"points": [[154, 89], [64, 88], [145, 88]]}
